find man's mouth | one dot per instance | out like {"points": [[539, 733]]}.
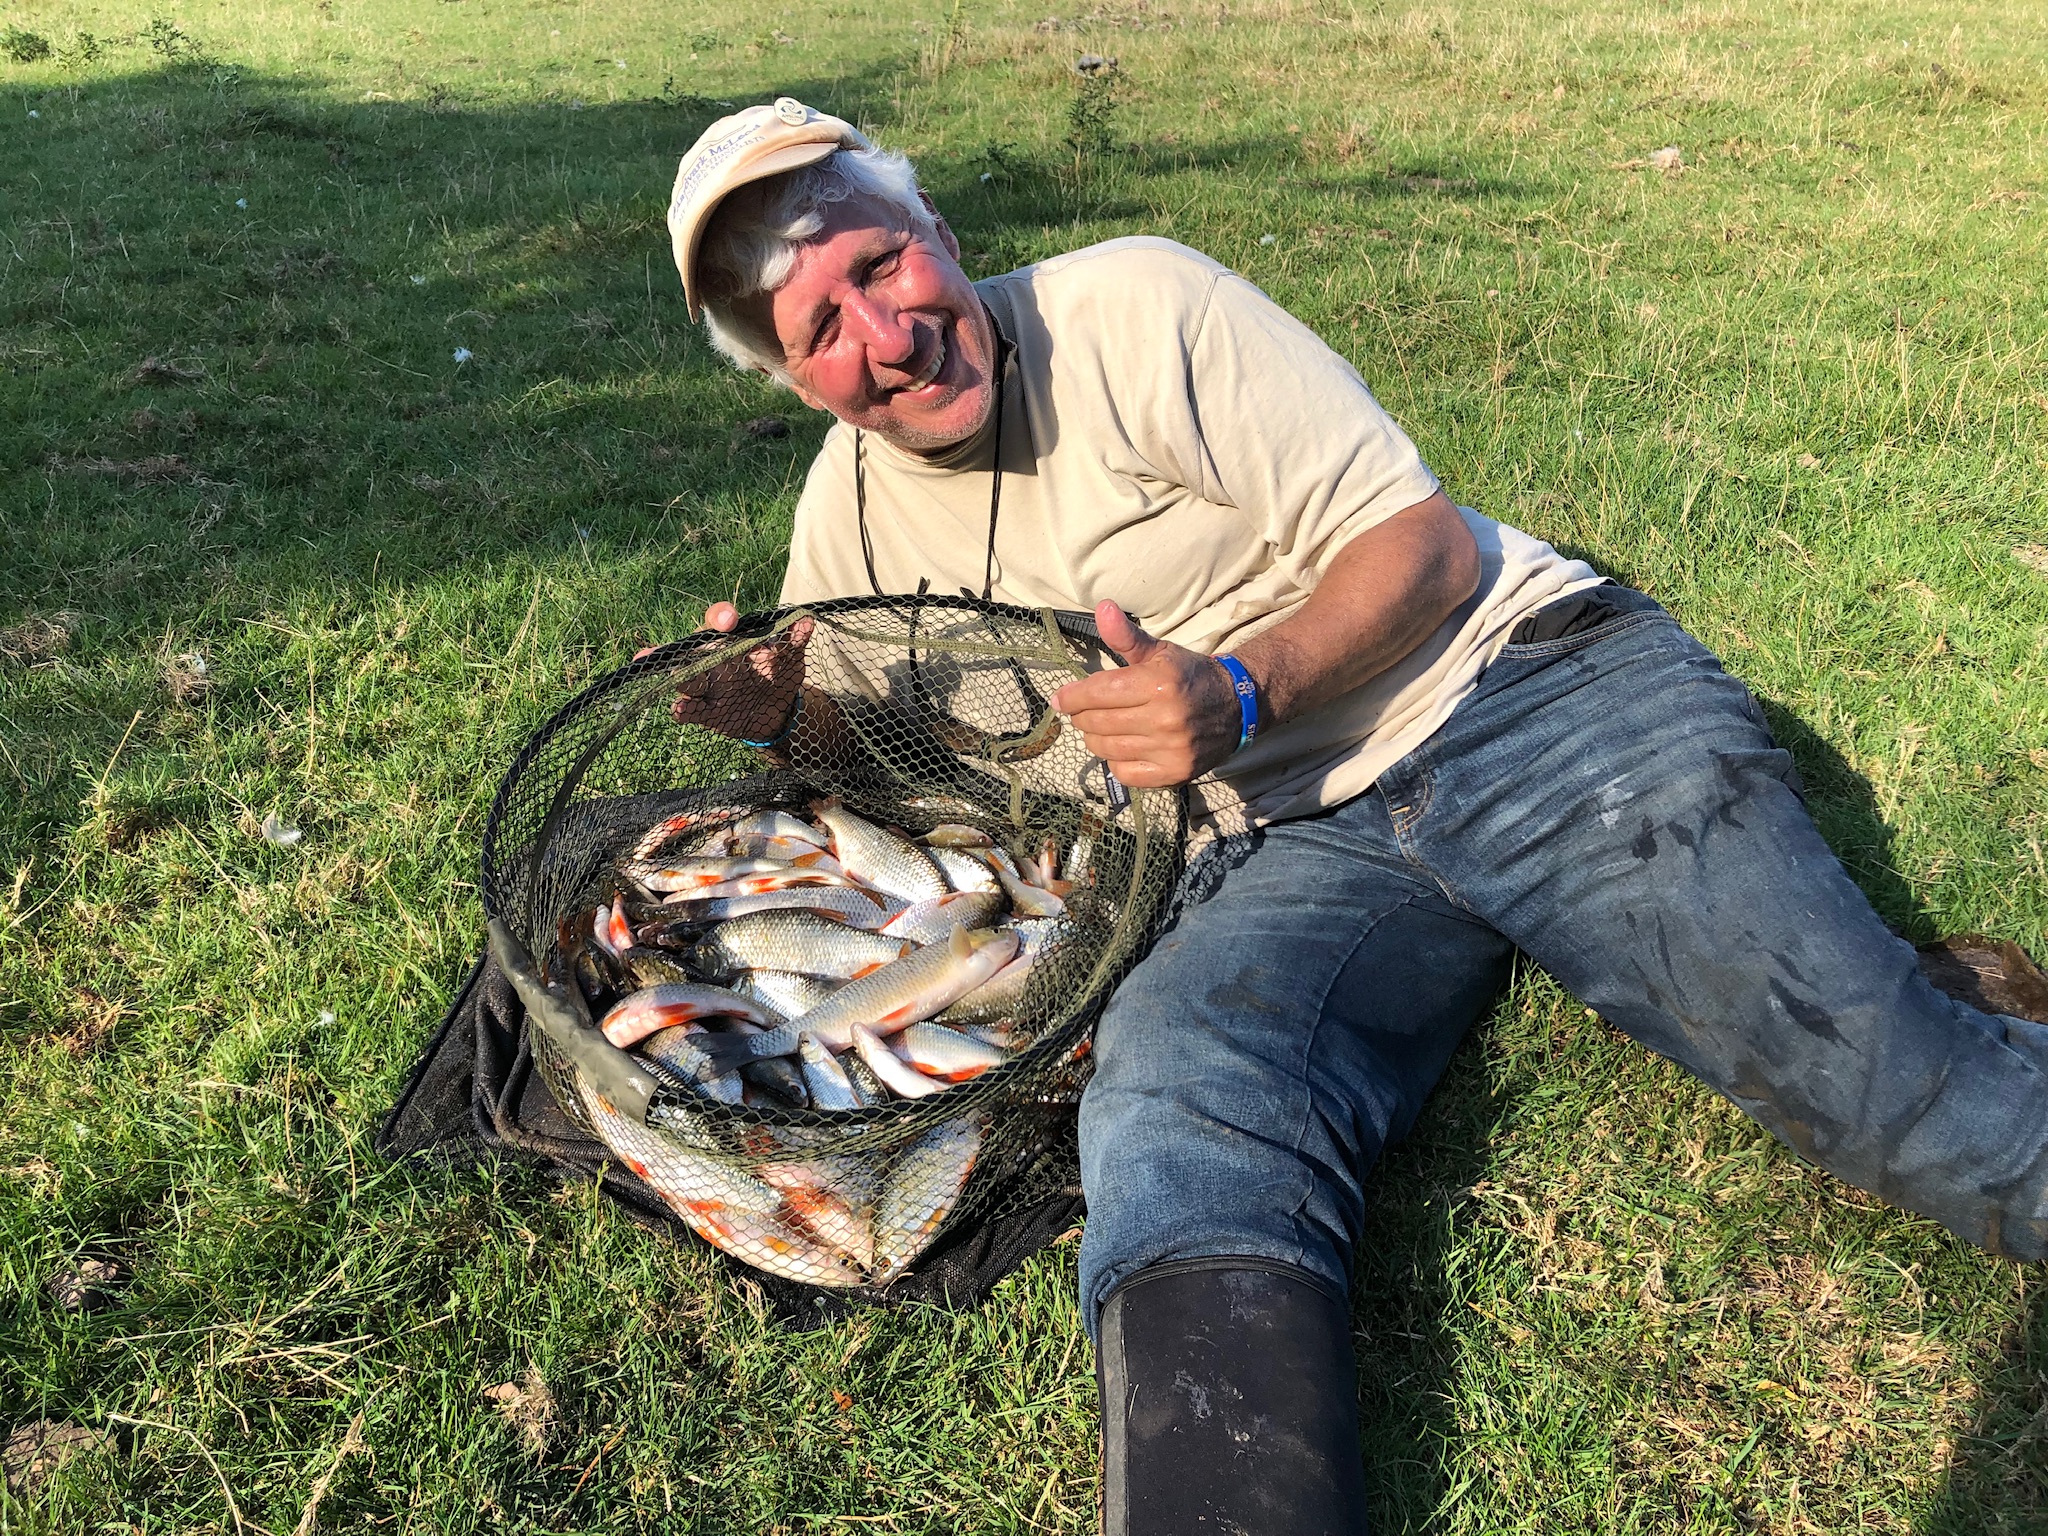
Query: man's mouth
{"points": [[930, 370]]}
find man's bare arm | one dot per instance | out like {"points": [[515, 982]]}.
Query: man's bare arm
{"points": [[1169, 714]]}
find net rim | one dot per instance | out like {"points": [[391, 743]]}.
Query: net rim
{"points": [[753, 625]]}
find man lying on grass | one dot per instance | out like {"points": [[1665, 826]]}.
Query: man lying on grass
{"points": [[1445, 740]]}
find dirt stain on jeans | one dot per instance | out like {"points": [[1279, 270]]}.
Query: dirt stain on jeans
{"points": [[1811, 1017], [1645, 845]]}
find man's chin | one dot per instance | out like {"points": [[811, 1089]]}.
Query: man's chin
{"points": [[933, 428]]}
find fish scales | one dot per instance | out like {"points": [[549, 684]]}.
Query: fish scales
{"points": [[795, 941], [826, 1079], [963, 871], [911, 989], [932, 922], [944, 1053], [676, 1049], [855, 905], [1002, 995], [881, 858], [921, 1191]]}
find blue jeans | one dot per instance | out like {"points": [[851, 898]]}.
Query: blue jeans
{"points": [[1611, 804]]}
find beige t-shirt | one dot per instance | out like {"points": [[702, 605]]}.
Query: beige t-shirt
{"points": [[1175, 441]]}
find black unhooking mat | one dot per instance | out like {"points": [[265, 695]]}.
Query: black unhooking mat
{"points": [[474, 1094]]}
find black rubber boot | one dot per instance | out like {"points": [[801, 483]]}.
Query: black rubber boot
{"points": [[1229, 1404]]}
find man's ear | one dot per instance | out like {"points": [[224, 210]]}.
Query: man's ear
{"points": [[939, 223]]}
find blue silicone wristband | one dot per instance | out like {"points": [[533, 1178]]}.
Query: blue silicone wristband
{"points": [[1247, 698], [782, 735]]}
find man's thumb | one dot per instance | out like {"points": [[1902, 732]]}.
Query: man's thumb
{"points": [[1123, 636]]}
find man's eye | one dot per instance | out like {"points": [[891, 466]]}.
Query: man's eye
{"points": [[884, 265], [828, 332]]}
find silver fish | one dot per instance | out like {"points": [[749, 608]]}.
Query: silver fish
{"points": [[795, 941], [1003, 1035], [1002, 995], [921, 1191], [901, 1078], [864, 1081], [880, 858], [832, 1199], [788, 993], [932, 922], [944, 1053], [1029, 900], [904, 992], [779, 877], [963, 871], [786, 850], [702, 874], [826, 1079], [669, 828], [675, 1048], [778, 824], [727, 1208], [852, 904]]}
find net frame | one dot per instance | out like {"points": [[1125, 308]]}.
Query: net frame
{"points": [[938, 713]]}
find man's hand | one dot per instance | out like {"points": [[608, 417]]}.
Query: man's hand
{"points": [[1170, 714], [1166, 716], [753, 695]]}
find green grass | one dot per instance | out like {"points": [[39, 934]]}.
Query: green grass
{"points": [[1798, 389]]}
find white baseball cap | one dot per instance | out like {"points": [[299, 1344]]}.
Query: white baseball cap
{"points": [[748, 146]]}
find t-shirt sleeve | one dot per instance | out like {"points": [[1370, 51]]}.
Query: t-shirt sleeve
{"points": [[1289, 434]]}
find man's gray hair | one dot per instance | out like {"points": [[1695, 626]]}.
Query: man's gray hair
{"points": [[752, 244]]}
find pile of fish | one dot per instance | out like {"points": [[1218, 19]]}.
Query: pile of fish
{"points": [[750, 956], [829, 964]]}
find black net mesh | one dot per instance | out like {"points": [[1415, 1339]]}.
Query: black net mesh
{"points": [[833, 994]]}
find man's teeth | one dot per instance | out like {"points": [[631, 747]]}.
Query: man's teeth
{"points": [[932, 368]]}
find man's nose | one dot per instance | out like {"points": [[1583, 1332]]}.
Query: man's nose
{"points": [[879, 326]]}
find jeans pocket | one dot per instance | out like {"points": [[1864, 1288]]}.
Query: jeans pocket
{"points": [[1564, 645]]}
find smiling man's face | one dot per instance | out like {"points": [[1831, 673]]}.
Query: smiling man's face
{"points": [[879, 326]]}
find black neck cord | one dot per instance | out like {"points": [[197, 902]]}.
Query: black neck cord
{"points": [[995, 489]]}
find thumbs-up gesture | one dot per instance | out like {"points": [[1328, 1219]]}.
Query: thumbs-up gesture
{"points": [[1166, 716]]}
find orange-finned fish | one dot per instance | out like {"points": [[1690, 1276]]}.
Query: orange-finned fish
{"points": [[898, 1075], [945, 1053], [618, 933], [897, 995], [673, 1003], [727, 1208], [921, 1191], [832, 1200], [1003, 993], [700, 874]]}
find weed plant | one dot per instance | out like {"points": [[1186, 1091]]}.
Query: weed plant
{"points": [[352, 421]]}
